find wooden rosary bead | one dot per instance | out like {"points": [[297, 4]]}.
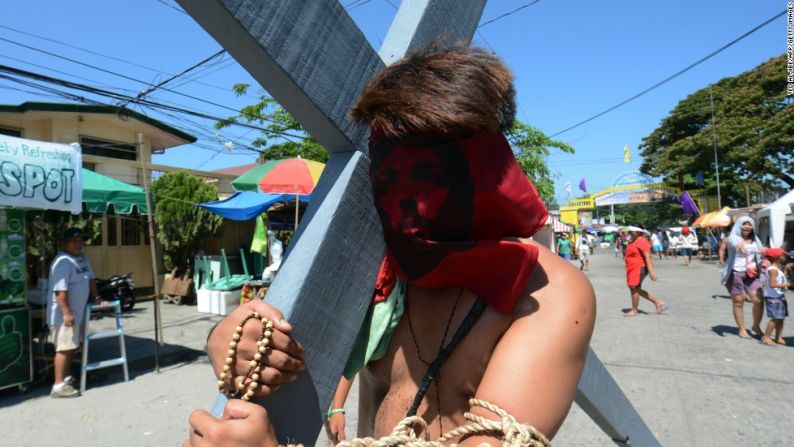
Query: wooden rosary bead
{"points": [[250, 382]]}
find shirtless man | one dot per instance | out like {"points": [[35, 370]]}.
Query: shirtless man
{"points": [[526, 351]]}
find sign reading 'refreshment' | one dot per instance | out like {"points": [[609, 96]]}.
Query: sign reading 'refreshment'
{"points": [[41, 175]]}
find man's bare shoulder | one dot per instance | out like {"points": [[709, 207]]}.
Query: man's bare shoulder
{"points": [[545, 344], [557, 292]]}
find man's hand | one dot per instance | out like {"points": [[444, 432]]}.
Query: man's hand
{"points": [[281, 363], [242, 424], [68, 319], [335, 428], [652, 275]]}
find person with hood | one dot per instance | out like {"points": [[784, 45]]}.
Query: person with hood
{"points": [[741, 273], [689, 244], [465, 304], [638, 265]]}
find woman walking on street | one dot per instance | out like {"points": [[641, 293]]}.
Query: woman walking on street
{"points": [[638, 265], [741, 272]]}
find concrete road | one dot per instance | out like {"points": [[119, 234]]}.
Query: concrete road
{"points": [[691, 378]]}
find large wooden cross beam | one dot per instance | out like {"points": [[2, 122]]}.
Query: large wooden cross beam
{"points": [[313, 59]]}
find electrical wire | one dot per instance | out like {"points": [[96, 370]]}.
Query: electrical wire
{"points": [[392, 4], [125, 61], [534, 2], [121, 75], [121, 97], [364, 2], [194, 127], [65, 73], [172, 7], [176, 76], [673, 76]]}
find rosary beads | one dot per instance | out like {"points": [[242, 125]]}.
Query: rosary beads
{"points": [[251, 379]]}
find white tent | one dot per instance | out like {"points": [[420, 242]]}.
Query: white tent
{"points": [[772, 219]]}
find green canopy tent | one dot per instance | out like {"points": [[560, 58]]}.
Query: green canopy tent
{"points": [[99, 192]]}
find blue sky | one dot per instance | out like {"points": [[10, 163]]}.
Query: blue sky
{"points": [[572, 59]]}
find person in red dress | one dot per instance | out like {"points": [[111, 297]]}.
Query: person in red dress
{"points": [[638, 265]]}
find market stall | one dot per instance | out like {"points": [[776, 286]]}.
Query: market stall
{"points": [[776, 222], [43, 176], [33, 175]]}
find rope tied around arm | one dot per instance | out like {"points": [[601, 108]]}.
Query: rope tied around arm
{"points": [[507, 428]]}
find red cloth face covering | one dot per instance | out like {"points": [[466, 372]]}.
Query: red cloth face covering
{"points": [[448, 209]]}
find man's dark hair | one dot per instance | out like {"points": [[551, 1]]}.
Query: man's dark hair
{"points": [[439, 92]]}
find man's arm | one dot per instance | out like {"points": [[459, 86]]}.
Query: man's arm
{"points": [[62, 299], [59, 281], [535, 368]]}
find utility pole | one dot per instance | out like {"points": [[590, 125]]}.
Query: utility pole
{"points": [[714, 140], [158, 327]]}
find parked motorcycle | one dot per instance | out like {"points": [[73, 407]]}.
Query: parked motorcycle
{"points": [[118, 287]]}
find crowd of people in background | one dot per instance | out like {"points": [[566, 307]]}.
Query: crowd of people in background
{"points": [[749, 271]]}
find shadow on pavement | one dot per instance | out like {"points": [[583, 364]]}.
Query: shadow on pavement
{"points": [[725, 297], [140, 358], [722, 329], [626, 310]]}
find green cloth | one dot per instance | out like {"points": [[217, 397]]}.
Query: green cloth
{"points": [[100, 191], [259, 243], [376, 331], [565, 246]]}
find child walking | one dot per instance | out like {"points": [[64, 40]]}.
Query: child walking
{"points": [[774, 296]]}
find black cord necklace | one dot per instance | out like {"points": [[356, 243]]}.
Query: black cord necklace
{"points": [[440, 349]]}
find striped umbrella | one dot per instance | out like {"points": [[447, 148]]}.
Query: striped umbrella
{"points": [[290, 176]]}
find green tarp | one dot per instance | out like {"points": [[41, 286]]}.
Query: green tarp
{"points": [[100, 191]]}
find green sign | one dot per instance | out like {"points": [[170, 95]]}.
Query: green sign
{"points": [[14, 347], [13, 286]]}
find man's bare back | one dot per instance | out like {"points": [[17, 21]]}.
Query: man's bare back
{"points": [[514, 361]]}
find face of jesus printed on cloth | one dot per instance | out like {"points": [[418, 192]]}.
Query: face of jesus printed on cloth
{"points": [[452, 212], [423, 194]]}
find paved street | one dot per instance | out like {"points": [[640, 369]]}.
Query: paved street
{"points": [[688, 374]]}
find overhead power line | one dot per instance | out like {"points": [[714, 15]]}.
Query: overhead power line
{"points": [[122, 97], [107, 56], [172, 6], [673, 76], [534, 2], [176, 76], [136, 80], [192, 127]]}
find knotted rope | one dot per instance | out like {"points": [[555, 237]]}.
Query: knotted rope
{"points": [[507, 428]]}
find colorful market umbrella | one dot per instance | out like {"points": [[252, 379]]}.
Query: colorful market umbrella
{"points": [[719, 219], [294, 176]]}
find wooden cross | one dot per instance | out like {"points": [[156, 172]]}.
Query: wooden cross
{"points": [[314, 60]]}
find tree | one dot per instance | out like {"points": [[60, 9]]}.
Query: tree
{"points": [[280, 125], [650, 215], [44, 232], [181, 225], [754, 128], [530, 145]]}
